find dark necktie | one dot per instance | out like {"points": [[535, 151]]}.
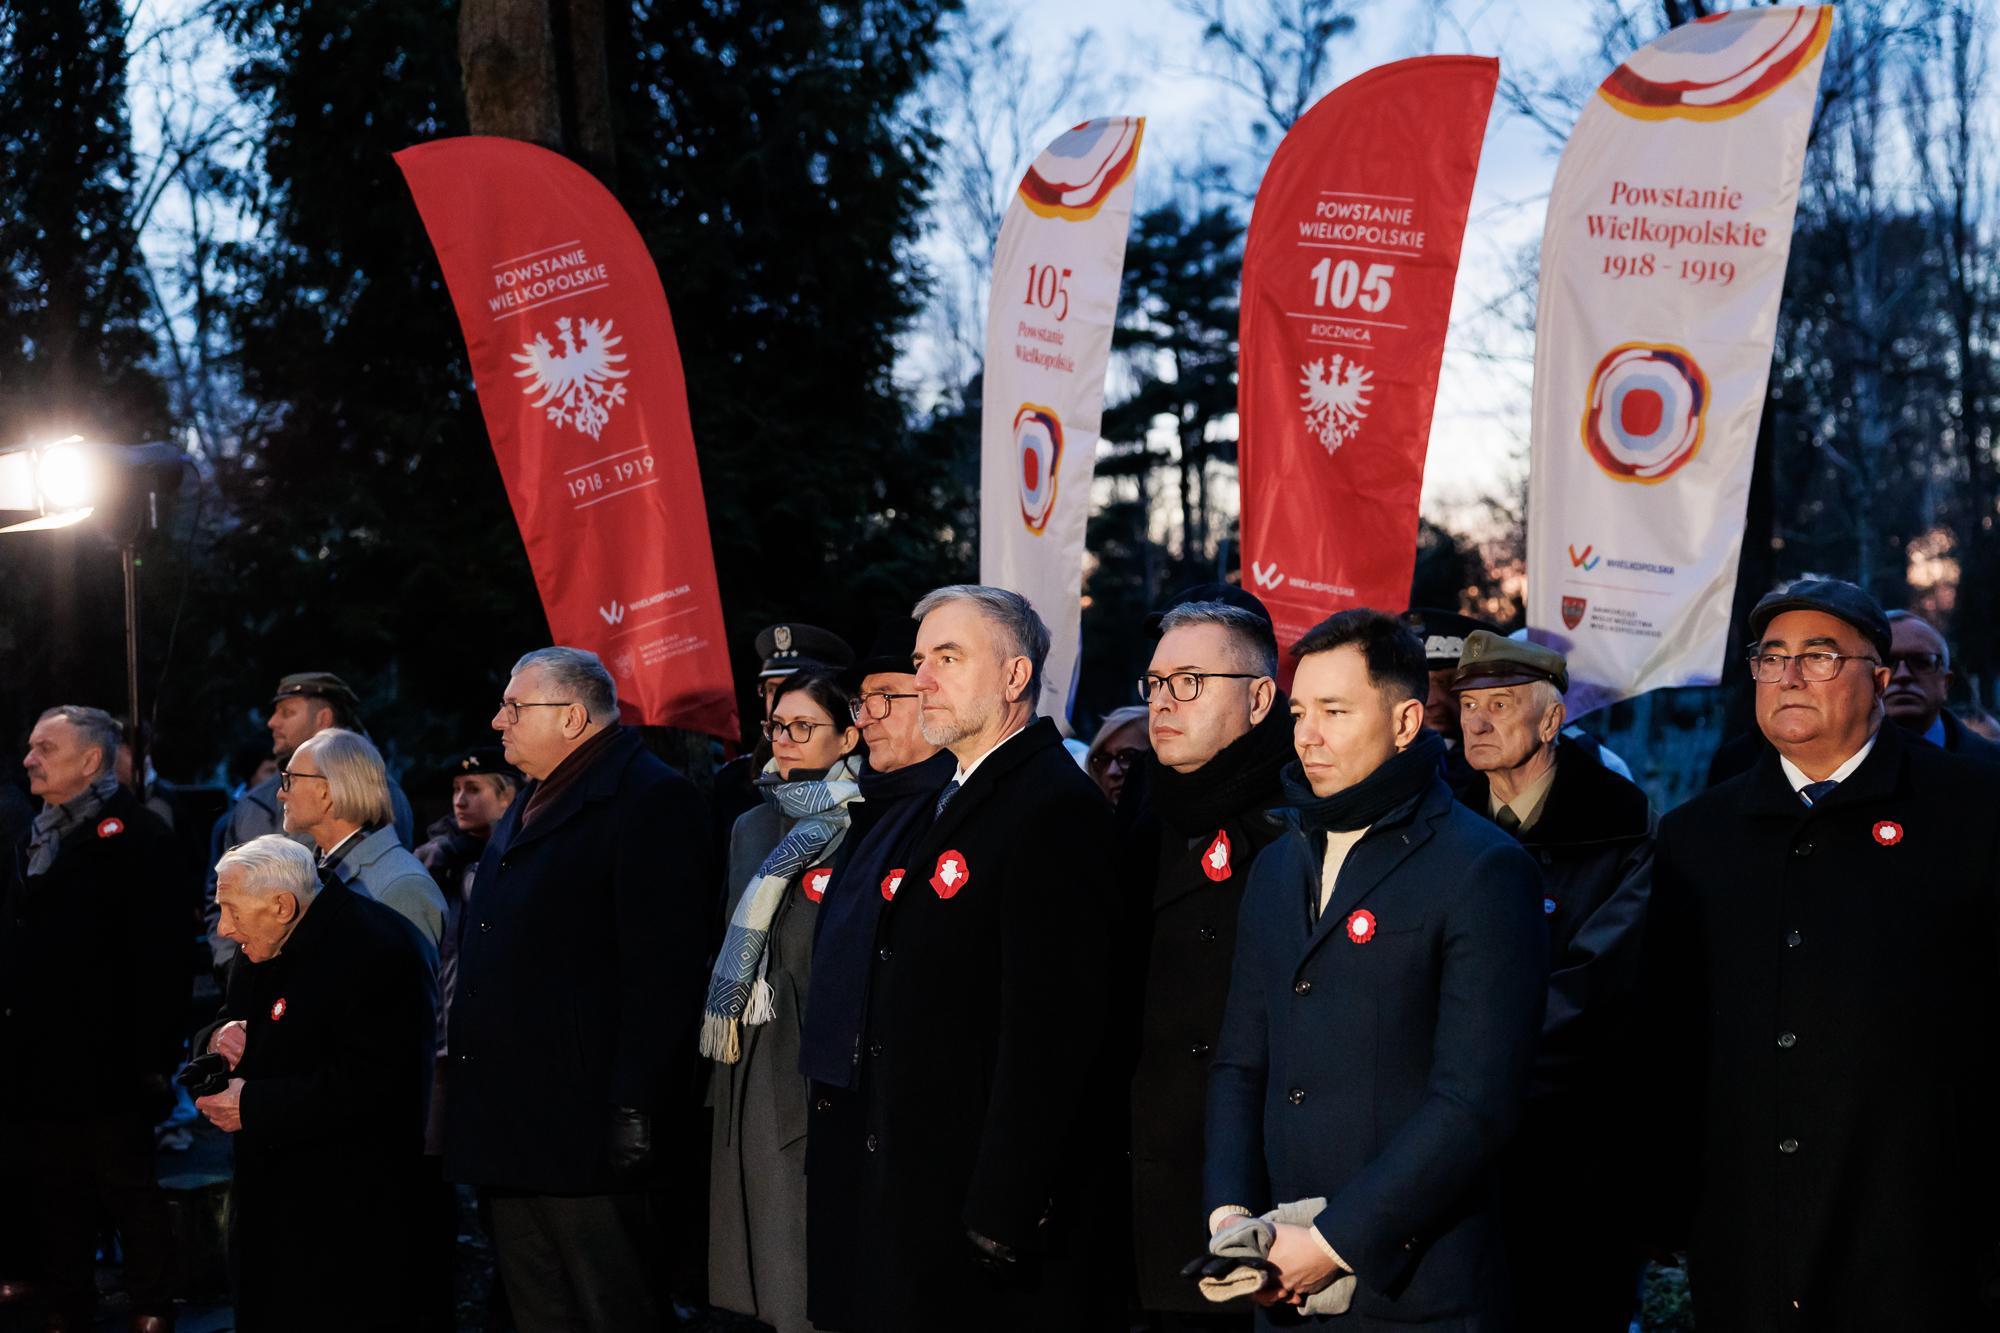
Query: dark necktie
{"points": [[944, 797], [1815, 792], [1507, 819]]}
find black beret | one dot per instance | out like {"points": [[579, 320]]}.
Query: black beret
{"points": [[1444, 634], [487, 759], [895, 644]]}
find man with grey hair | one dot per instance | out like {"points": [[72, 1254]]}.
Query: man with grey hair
{"points": [[1920, 680], [1221, 732], [986, 1074], [1592, 831], [582, 963], [327, 1030], [94, 922]]}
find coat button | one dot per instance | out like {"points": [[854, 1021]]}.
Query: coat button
{"points": [[874, 1048], [471, 991], [1788, 1145], [1803, 849], [1207, 934], [486, 927], [1297, 1096], [1302, 988], [1788, 1039], [871, 1143], [1793, 939], [822, 1105], [1198, 1050], [884, 955]]}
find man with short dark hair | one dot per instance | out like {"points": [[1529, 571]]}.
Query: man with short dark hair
{"points": [[1220, 734], [583, 959], [93, 1001], [1821, 1005], [985, 1073], [1920, 680], [1566, 1176], [1388, 988]]}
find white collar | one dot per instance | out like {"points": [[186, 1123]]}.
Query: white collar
{"points": [[965, 772], [1796, 776]]}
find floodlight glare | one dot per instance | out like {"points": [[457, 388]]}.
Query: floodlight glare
{"points": [[50, 523], [66, 478]]}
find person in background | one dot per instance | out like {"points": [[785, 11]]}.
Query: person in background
{"points": [[1117, 750], [981, 1140], [1977, 719], [1565, 1181], [1220, 734], [780, 864], [93, 1003], [336, 791], [899, 788], [1821, 1004], [306, 703], [1377, 1044], [327, 1030], [581, 967], [1443, 634], [1920, 679], [149, 791], [782, 649]]}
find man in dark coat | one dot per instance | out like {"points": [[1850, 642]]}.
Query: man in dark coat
{"points": [[1920, 679], [899, 790], [1567, 1177], [1220, 733], [93, 1002], [582, 963], [1391, 972], [328, 1027], [1820, 1004], [985, 1073]]}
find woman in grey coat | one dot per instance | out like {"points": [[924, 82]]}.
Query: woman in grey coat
{"points": [[780, 859]]}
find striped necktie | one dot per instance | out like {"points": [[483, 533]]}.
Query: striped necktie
{"points": [[1815, 792], [944, 797]]}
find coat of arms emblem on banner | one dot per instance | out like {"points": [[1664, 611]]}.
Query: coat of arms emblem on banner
{"points": [[1573, 611]]}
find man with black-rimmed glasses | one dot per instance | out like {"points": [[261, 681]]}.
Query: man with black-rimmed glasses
{"points": [[1821, 1006]]}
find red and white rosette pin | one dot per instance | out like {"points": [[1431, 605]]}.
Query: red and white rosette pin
{"points": [[1361, 926], [110, 828], [1215, 861], [278, 1009], [890, 883], [814, 883], [950, 875], [1887, 832]]}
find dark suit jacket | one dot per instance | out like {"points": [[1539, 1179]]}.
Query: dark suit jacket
{"points": [[1385, 1076], [95, 966], [1960, 739], [341, 1029], [583, 960], [986, 1066], [1821, 1028]]}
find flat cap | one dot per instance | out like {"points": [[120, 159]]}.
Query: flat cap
{"points": [[487, 759], [895, 644], [790, 646], [1836, 597], [315, 685], [1444, 634], [1226, 593], [1491, 661]]}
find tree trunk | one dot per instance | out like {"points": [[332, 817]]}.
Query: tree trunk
{"points": [[587, 112], [507, 54]]}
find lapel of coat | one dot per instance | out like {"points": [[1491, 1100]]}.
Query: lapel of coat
{"points": [[1767, 791], [1393, 840], [601, 783], [1009, 755]]}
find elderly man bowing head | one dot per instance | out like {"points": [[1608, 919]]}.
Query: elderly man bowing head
{"points": [[328, 1029]]}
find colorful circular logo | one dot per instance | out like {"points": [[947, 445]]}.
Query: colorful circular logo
{"points": [[1038, 441], [1719, 66], [1077, 173], [1645, 413]]}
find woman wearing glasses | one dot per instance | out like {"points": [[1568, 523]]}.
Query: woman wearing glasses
{"points": [[1120, 747], [780, 861]]}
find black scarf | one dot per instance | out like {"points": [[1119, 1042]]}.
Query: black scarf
{"points": [[1401, 778], [1242, 776]]}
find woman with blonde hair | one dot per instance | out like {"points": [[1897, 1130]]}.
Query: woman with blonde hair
{"points": [[1118, 748], [335, 790]]}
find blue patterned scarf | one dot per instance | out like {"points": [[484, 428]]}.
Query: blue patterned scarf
{"points": [[737, 991]]}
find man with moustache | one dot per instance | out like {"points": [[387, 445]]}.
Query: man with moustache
{"points": [[1220, 734], [984, 1033], [1389, 982], [899, 790], [1822, 1004], [1920, 680]]}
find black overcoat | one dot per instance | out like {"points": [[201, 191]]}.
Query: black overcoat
{"points": [[1386, 1075], [583, 960], [336, 1069], [1188, 932], [985, 1078], [1822, 1031], [95, 967]]}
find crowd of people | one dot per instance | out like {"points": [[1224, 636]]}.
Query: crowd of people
{"points": [[1381, 1001]]}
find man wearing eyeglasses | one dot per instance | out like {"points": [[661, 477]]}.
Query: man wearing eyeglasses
{"points": [[1920, 679], [1821, 1009]]}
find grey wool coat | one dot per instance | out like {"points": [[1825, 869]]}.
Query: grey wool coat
{"points": [[757, 1160]]}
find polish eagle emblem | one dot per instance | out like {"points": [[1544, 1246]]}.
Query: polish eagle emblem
{"points": [[578, 385], [1336, 399]]}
